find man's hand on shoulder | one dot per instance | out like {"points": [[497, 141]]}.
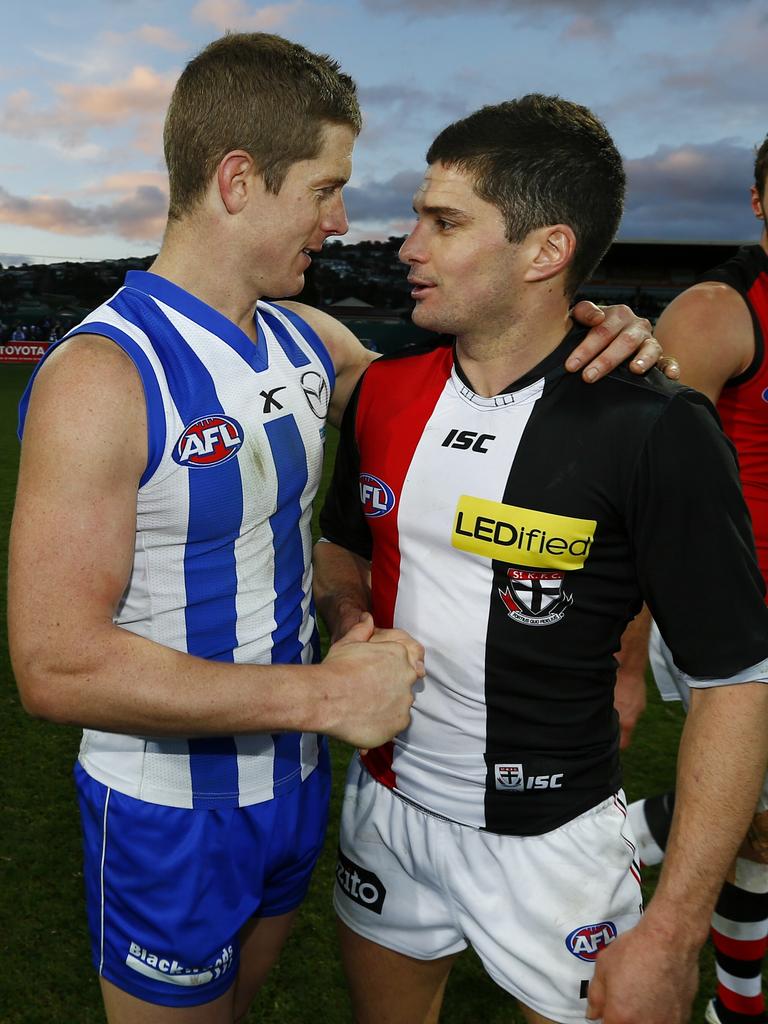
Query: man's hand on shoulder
{"points": [[616, 335]]}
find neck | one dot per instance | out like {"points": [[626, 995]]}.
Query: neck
{"points": [[491, 362], [192, 257]]}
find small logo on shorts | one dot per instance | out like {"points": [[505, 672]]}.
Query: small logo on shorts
{"points": [[160, 968], [361, 886], [587, 941]]}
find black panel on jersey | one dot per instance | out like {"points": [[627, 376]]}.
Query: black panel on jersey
{"points": [[647, 461]]}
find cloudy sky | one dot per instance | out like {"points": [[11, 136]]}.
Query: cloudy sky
{"points": [[681, 85]]}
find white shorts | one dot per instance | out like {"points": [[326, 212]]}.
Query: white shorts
{"points": [[536, 909]]}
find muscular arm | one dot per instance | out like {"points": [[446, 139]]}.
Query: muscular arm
{"points": [[709, 331], [721, 765], [71, 553]]}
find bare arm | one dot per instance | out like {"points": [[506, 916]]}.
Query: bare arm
{"points": [[629, 695], [709, 331], [72, 545], [649, 975], [341, 587]]}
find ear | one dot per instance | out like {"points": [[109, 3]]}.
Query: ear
{"points": [[756, 202], [553, 249], [235, 177]]}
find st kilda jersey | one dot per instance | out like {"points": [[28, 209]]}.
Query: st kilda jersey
{"points": [[743, 404], [515, 537], [222, 563]]}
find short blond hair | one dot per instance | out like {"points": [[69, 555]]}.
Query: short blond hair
{"points": [[256, 92]]}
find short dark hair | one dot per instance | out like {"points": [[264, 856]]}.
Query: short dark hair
{"points": [[761, 166], [542, 160], [256, 92]]}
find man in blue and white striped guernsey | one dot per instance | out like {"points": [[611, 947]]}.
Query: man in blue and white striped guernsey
{"points": [[160, 591]]}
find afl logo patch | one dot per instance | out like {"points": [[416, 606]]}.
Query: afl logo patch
{"points": [[376, 497], [587, 941], [208, 441]]}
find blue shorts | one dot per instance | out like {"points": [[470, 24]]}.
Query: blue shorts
{"points": [[168, 889]]}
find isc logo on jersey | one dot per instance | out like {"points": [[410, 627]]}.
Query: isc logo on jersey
{"points": [[510, 777], [587, 941], [208, 441], [376, 497]]}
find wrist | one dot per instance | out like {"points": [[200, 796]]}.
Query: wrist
{"points": [[678, 925], [340, 611], [303, 700], [347, 612], [321, 707]]}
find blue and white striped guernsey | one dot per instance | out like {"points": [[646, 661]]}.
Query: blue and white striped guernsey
{"points": [[222, 564]]}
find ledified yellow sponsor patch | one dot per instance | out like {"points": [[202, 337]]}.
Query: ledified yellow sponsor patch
{"points": [[521, 536]]}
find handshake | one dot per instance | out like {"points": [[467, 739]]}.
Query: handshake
{"points": [[370, 677]]}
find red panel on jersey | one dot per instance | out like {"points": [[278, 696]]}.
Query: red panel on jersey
{"points": [[392, 411]]}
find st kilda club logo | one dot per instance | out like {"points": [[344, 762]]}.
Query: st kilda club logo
{"points": [[535, 598], [208, 441]]}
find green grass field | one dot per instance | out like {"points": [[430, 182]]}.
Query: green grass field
{"points": [[46, 974]]}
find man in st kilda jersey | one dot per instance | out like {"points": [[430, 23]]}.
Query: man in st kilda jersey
{"points": [[514, 520]]}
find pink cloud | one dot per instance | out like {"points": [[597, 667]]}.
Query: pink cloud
{"points": [[128, 181], [138, 215], [78, 109], [111, 46], [237, 14], [144, 91], [156, 35], [585, 27]]}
